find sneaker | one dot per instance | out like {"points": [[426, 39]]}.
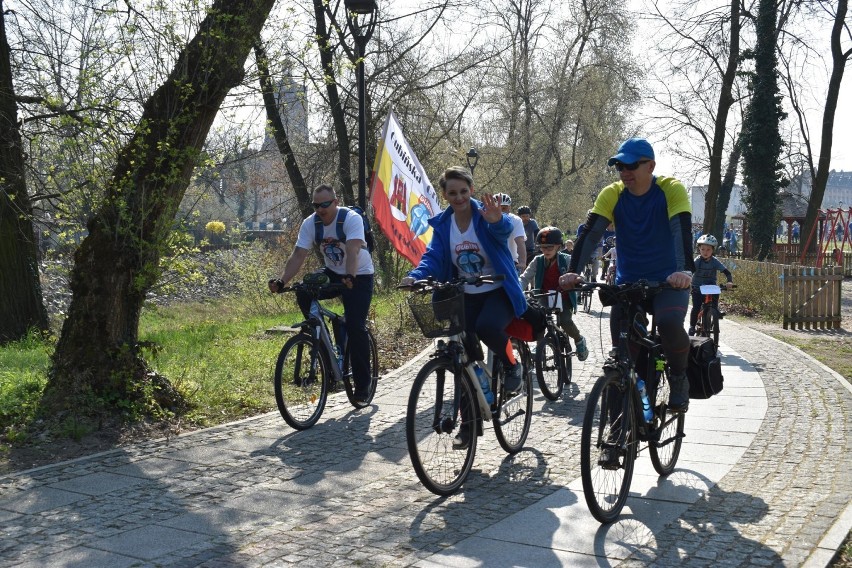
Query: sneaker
{"points": [[514, 378], [582, 350], [462, 439], [361, 399], [679, 397]]}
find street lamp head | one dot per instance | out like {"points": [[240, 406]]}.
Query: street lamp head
{"points": [[472, 158], [361, 6]]}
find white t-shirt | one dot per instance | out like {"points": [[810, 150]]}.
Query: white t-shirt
{"points": [[517, 231], [467, 254], [334, 251]]}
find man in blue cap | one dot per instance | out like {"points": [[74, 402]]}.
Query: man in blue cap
{"points": [[653, 227]]}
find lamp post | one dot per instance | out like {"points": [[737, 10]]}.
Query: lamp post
{"points": [[361, 17], [472, 158]]}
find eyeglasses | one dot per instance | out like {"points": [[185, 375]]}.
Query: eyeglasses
{"points": [[630, 167], [323, 205]]}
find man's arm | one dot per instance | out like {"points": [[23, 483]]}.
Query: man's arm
{"points": [[353, 247], [590, 236], [522, 251]]}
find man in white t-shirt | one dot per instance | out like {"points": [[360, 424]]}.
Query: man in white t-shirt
{"points": [[347, 260], [519, 234]]}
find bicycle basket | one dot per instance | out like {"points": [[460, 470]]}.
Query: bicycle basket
{"points": [[439, 316]]}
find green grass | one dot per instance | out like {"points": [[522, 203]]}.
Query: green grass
{"points": [[23, 375]]}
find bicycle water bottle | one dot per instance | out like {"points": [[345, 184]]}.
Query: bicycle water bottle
{"points": [[484, 383], [646, 404]]}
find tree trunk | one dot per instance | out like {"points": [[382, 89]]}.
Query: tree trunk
{"points": [[273, 115], [344, 169], [720, 131], [97, 357], [21, 305], [819, 179], [725, 190]]}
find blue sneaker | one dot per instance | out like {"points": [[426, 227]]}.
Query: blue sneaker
{"points": [[582, 350], [514, 378]]}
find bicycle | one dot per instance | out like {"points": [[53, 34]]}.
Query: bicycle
{"points": [[610, 273], [707, 324], [446, 398], [585, 296], [315, 360], [553, 352], [614, 423]]}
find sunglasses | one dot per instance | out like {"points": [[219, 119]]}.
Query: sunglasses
{"points": [[323, 205], [630, 167]]}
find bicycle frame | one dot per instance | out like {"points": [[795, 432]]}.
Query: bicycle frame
{"points": [[463, 366], [317, 325]]}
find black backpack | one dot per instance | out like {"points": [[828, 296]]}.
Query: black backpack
{"points": [[704, 369], [341, 217]]}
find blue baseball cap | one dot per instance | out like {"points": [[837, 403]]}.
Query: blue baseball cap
{"points": [[631, 151]]}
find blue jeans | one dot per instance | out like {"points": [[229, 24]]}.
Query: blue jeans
{"points": [[669, 309], [356, 307]]}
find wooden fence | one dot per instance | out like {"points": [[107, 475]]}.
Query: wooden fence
{"points": [[811, 296]]}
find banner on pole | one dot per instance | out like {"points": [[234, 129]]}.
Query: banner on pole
{"points": [[403, 199]]}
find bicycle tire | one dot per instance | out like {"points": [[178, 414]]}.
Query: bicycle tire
{"points": [[668, 426], [549, 371], [587, 301], [432, 421], [349, 382], [513, 416], [567, 365], [612, 427], [713, 325], [300, 391]]}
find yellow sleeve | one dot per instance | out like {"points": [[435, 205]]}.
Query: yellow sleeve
{"points": [[676, 196], [607, 199]]}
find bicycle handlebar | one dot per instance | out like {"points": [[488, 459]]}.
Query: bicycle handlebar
{"points": [[431, 283]]}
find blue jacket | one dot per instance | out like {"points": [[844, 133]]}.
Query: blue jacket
{"points": [[494, 238]]}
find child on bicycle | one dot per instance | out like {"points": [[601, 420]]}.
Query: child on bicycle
{"points": [[706, 268], [610, 260], [543, 274]]}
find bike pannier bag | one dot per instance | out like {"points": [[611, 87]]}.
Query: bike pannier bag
{"points": [[704, 369]]}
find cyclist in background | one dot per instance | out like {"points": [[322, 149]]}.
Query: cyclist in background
{"points": [[518, 236], [610, 259], [543, 274], [706, 268], [348, 262], [531, 229], [653, 221], [470, 238]]}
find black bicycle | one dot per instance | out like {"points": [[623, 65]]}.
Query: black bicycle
{"points": [[553, 367], [615, 421], [584, 297], [315, 360], [447, 405]]}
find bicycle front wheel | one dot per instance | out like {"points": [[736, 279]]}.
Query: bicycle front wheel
{"points": [[440, 427], [301, 385], [664, 447], [608, 447], [514, 413], [548, 366], [349, 380]]}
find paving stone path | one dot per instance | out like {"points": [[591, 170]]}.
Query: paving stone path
{"points": [[770, 486]]}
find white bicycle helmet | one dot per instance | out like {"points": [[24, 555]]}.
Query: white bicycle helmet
{"points": [[503, 199], [708, 240]]}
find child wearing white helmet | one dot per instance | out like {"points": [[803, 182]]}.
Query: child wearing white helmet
{"points": [[707, 267]]}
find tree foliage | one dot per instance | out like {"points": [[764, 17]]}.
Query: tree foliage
{"points": [[761, 139]]}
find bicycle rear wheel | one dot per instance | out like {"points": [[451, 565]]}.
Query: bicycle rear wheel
{"points": [[349, 380], [549, 370], [512, 420], [440, 406], [608, 447], [301, 387], [664, 447]]}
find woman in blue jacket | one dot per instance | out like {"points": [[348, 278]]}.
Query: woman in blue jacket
{"points": [[470, 238]]}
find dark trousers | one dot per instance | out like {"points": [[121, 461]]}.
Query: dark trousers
{"points": [[669, 309], [356, 307], [487, 315]]}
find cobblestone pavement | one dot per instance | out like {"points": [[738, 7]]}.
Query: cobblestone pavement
{"points": [[256, 493]]}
